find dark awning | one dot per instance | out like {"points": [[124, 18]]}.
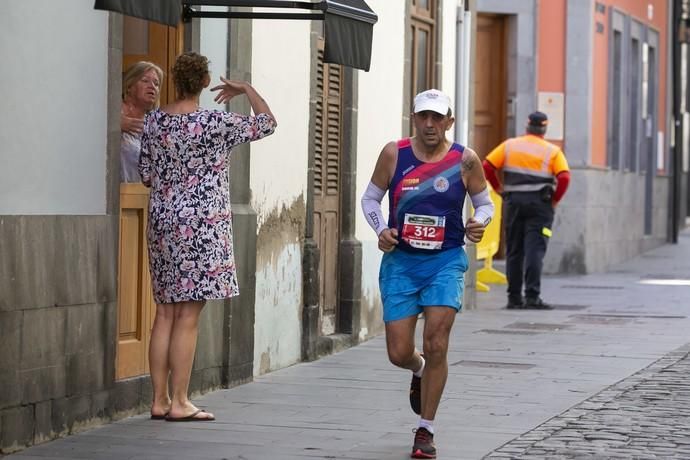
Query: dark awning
{"points": [[348, 24], [348, 28], [163, 11]]}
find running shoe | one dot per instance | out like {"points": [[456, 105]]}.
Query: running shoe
{"points": [[423, 446]]}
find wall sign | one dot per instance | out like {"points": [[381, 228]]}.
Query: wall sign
{"points": [[552, 104]]}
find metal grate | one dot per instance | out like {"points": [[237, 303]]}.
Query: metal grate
{"points": [[504, 331], [660, 276], [589, 286], [569, 307], [537, 326], [493, 365], [600, 319], [632, 315]]}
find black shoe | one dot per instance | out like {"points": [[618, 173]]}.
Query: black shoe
{"points": [[515, 304], [416, 394], [537, 304], [423, 446]]}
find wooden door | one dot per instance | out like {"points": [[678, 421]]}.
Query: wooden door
{"points": [[143, 41], [490, 92], [327, 186], [135, 303], [489, 84]]}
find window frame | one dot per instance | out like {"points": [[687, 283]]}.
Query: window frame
{"points": [[635, 88], [617, 84], [423, 20]]}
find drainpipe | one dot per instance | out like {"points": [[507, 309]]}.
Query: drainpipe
{"points": [[463, 75], [678, 147]]}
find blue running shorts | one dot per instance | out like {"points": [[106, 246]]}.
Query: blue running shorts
{"points": [[410, 281]]}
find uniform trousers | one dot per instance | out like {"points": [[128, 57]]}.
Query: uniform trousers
{"points": [[528, 220]]}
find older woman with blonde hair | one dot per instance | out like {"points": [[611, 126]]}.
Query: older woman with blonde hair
{"points": [[140, 94]]}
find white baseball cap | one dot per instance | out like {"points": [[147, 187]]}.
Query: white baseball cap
{"points": [[432, 99]]}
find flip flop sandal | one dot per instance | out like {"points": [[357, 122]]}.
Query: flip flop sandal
{"points": [[190, 418]]}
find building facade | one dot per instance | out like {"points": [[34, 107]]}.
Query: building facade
{"points": [[600, 70], [75, 303]]}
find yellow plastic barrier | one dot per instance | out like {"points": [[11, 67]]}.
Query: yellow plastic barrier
{"points": [[488, 247]]}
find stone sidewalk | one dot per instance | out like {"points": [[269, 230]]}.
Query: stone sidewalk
{"points": [[519, 382]]}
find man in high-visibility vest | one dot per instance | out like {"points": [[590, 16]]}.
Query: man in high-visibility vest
{"points": [[535, 178]]}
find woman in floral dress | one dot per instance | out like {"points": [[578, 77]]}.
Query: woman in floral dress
{"points": [[184, 159]]}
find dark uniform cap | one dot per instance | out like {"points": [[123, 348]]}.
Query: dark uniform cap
{"points": [[538, 119]]}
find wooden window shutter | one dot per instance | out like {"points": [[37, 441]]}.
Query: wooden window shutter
{"points": [[328, 126], [327, 152]]}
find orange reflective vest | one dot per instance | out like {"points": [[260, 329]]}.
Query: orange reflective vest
{"points": [[529, 163]]}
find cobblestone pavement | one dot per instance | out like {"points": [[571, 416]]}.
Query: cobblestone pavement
{"points": [[645, 416]]}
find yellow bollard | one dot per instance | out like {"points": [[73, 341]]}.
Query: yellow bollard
{"points": [[488, 247]]}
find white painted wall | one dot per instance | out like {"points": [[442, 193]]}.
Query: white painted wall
{"points": [[380, 111], [53, 123], [213, 43], [281, 73]]}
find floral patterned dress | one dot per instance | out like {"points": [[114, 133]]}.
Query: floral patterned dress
{"points": [[184, 158]]}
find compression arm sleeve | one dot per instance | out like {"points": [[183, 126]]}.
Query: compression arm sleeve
{"points": [[371, 205], [483, 206]]}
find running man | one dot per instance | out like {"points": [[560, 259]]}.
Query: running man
{"points": [[423, 266]]}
